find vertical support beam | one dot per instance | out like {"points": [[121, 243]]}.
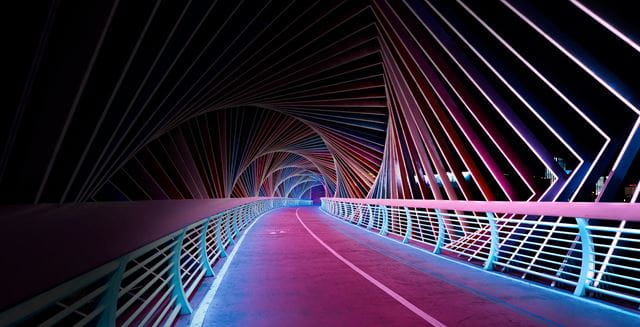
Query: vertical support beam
{"points": [[346, 210], [247, 216], [247, 212], [385, 221], [407, 234], [237, 220], [587, 267], [237, 213], [109, 299], [176, 281], [228, 222], [370, 215], [378, 216], [218, 236], [204, 258], [352, 212], [495, 242], [440, 240]]}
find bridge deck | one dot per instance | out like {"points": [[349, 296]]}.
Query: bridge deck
{"points": [[283, 275]]}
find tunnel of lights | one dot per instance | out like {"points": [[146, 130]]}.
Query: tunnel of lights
{"points": [[362, 99], [127, 101]]}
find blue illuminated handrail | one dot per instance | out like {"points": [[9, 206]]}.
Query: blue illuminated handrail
{"points": [[591, 249], [152, 284]]}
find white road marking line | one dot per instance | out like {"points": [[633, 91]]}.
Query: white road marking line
{"points": [[198, 317], [431, 320]]}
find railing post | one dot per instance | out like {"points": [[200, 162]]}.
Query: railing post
{"points": [[204, 258], [407, 234], [351, 212], [176, 281], [440, 240], [385, 221], [237, 212], [370, 213], [495, 242], [586, 269], [218, 237], [377, 215], [110, 298], [362, 215], [228, 227]]}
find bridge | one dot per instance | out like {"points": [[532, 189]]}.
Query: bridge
{"points": [[303, 266], [320, 163], [277, 261]]}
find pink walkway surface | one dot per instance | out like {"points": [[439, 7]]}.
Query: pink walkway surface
{"points": [[282, 276]]}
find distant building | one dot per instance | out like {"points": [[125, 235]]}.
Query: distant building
{"points": [[600, 184], [548, 174]]}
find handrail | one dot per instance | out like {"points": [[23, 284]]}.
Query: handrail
{"points": [[591, 210], [95, 233], [589, 248], [152, 284]]}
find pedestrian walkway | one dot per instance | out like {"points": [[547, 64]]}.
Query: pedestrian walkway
{"points": [[301, 267]]}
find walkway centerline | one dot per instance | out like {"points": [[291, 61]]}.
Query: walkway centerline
{"points": [[432, 321]]}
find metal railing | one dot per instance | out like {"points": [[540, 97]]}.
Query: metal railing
{"points": [[149, 286], [590, 249]]}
